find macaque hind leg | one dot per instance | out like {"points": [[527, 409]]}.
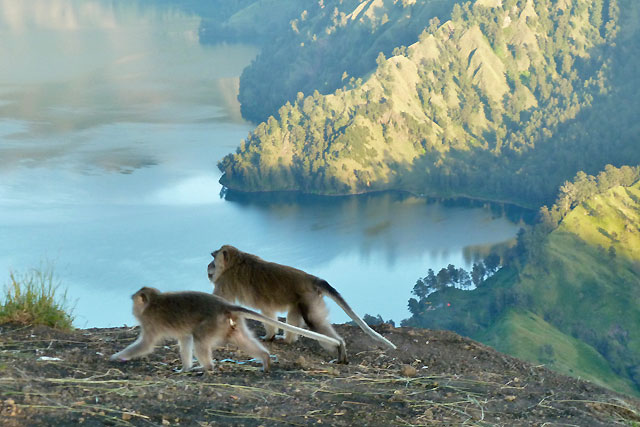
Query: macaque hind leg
{"points": [[317, 320], [245, 341], [270, 329], [294, 318], [203, 352], [205, 337]]}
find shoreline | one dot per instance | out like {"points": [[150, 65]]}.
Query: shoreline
{"points": [[226, 191]]}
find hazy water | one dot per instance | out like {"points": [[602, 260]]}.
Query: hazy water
{"points": [[112, 120]]}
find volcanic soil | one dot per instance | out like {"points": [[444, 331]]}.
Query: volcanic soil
{"points": [[49, 377]]}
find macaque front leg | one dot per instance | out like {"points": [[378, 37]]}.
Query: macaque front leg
{"points": [[243, 338], [142, 346], [186, 352]]}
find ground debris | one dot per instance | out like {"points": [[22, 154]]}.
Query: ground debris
{"points": [[435, 377]]}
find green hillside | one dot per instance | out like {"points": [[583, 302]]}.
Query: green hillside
{"points": [[573, 302], [531, 338], [481, 105]]}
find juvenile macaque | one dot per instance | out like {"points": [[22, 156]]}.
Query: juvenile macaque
{"points": [[203, 321], [271, 288]]}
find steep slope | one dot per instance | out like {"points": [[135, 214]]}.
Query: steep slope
{"points": [[481, 106], [574, 305], [326, 44], [532, 338]]}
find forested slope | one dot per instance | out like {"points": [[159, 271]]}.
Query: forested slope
{"points": [[483, 105], [326, 45], [570, 298]]}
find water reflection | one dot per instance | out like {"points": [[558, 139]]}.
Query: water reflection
{"points": [[396, 225], [79, 66]]}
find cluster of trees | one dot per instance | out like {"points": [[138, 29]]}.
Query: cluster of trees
{"points": [[530, 247], [584, 187], [529, 250], [450, 277], [499, 107], [530, 242], [543, 274]]}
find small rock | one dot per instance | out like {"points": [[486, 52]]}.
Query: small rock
{"points": [[126, 416], [408, 371], [302, 362], [510, 398], [332, 371]]}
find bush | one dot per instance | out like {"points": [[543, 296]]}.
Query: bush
{"points": [[30, 299]]}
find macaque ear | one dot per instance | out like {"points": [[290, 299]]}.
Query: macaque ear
{"points": [[141, 296], [225, 254], [144, 297]]}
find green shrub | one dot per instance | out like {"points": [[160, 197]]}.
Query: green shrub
{"points": [[30, 299]]}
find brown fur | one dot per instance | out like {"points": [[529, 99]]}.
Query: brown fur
{"points": [[200, 319], [271, 288]]}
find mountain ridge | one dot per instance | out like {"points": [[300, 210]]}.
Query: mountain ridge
{"points": [[474, 106]]}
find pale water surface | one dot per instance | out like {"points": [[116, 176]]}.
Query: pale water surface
{"points": [[112, 119]]}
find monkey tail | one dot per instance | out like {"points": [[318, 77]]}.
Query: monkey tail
{"points": [[250, 314], [330, 291]]}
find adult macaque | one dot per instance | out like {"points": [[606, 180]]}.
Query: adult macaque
{"points": [[271, 288]]}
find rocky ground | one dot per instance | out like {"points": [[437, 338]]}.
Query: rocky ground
{"points": [[49, 377]]}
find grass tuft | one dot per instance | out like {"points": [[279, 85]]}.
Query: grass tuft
{"points": [[32, 298]]}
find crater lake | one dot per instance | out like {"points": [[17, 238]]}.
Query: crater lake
{"points": [[113, 116]]}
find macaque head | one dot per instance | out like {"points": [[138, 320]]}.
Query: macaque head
{"points": [[221, 260], [141, 299]]}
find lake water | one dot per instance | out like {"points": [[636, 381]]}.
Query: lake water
{"points": [[112, 119]]}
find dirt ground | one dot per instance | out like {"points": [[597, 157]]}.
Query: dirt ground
{"points": [[49, 377]]}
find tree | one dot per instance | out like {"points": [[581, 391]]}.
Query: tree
{"points": [[420, 290], [430, 280], [477, 273], [492, 262], [453, 272], [414, 307], [443, 279]]}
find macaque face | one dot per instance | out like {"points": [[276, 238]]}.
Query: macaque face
{"points": [[211, 270], [220, 257]]}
